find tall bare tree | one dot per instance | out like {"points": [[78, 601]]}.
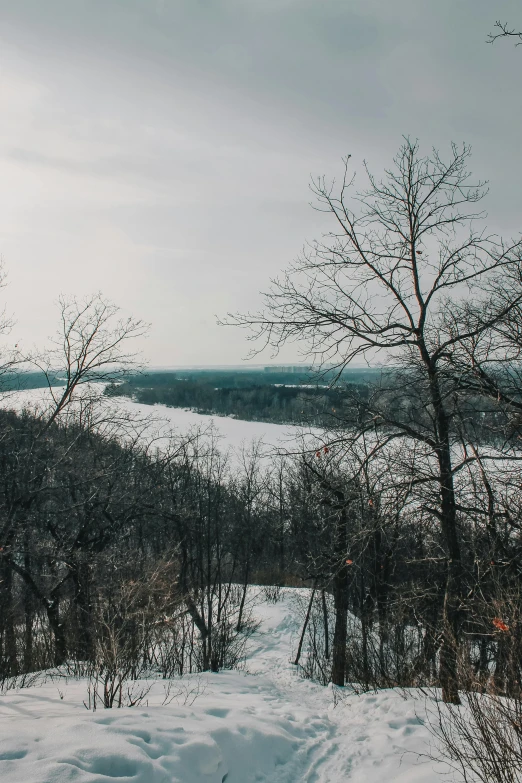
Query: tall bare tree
{"points": [[377, 288]]}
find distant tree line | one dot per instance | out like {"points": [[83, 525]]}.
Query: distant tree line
{"points": [[280, 404]]}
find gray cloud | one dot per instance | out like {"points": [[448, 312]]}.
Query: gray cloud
{"points": [[160, 149]]}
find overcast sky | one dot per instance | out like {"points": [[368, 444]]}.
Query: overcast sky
{"points": [[160, 150]]}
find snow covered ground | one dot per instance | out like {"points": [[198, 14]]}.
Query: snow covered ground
{"points": [[264, 724]]}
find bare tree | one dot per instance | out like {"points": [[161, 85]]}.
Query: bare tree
{"points": [[91, 347], [502, 30], [377, 288]]}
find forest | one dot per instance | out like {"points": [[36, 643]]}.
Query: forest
{"points": [[309, 399]]}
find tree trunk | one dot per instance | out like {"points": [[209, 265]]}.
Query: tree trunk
{"points": [[7, 620], [58, 631], [239, 625], [340, 596], [325, 624], [29, 663], [200, 624], [448, 669], [452, 611], [305, 626], [82, 596]]}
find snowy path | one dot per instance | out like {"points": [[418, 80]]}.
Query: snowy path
{"points": [[262, 725]]}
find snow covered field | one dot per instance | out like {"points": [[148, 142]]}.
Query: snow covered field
{"points": [[261, 724]]}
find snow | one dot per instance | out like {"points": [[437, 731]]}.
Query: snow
{"points": [[235, 436], [263, 724]]}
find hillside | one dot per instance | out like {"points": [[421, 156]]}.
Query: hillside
{"points": [[261, 724]]}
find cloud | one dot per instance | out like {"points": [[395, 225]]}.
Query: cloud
{"points": [[160, 150]]}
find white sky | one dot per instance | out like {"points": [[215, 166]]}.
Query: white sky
{"points": [[160, 150]]}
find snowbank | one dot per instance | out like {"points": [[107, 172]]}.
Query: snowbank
{"points": [[263, 724]]}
